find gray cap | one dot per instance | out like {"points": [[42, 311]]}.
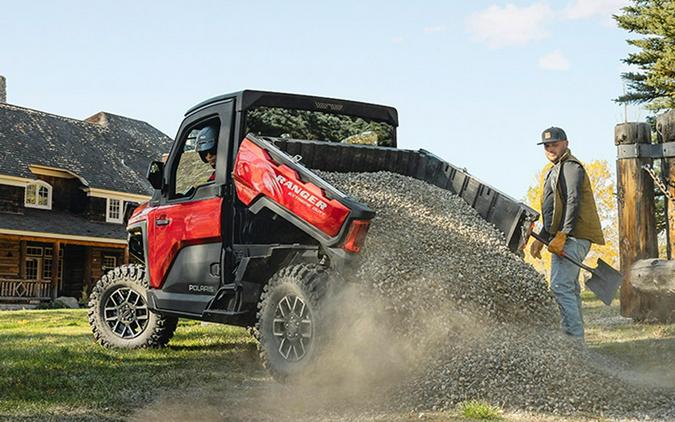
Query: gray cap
{"points": [[552, 134]]}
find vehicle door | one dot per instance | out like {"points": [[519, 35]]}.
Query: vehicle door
{"points": [[184, 232]]}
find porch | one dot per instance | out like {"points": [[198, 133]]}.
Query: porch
{"points": [[36, 269]]}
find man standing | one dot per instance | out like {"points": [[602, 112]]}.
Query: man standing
{"points": [[570, 224]]}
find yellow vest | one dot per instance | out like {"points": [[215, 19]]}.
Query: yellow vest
{"points": [[588, 222]]}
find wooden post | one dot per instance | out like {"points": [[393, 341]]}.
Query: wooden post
{"points": [[637, 222], [56, 268], [22, 259], [126, 256], [86, 283], [665, 128]]}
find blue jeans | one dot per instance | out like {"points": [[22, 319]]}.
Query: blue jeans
{"points": [[565, 285]]}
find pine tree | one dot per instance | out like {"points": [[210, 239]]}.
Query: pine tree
{"points": [[654, 82]]}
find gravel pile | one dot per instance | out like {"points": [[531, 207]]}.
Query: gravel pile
{"points": [[428, 252], [480, 322]]}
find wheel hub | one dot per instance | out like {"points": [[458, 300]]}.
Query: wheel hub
{"points": [[292, 328], [126, 313]]}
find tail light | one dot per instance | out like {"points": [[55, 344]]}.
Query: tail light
{"points": [[356, 236]]}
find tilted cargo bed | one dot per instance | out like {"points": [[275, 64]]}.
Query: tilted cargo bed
{"points": [[510, 216]]}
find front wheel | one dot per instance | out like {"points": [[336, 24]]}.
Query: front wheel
{"points": [[291, 324], [118, 312]]}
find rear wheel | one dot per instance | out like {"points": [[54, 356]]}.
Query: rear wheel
{"points": [[118, 312], [291, 324]]}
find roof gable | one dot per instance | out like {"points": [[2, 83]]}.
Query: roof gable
{"points": [[109, 151]]}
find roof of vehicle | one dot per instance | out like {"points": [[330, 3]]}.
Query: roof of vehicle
{"points": [[250, 98]]}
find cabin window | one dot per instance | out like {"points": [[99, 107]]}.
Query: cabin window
{"points": [[47, 270], [114, 212], [34, 262], [109, 263], [33, 268], [38, 195]]}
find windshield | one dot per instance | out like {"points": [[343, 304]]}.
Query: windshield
{"points": [[317, 125]]}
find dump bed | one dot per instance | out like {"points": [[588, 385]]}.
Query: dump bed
{"points": [[511, 217], [267, 177]]}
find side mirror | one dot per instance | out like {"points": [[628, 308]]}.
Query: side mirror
{"points": [[129, 208], [155, 173]]}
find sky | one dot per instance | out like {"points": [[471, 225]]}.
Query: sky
{"points": [[474, 82]]}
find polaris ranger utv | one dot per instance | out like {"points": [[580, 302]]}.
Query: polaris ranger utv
{"points": [[245, 234]]}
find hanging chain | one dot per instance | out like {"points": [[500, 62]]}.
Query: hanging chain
{"points": [[659, 182]]}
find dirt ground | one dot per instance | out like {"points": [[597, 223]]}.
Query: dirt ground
{"points": [[645, 353]]}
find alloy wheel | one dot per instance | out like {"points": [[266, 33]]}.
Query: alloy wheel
{"points": [[292, 327], [126, 313]]}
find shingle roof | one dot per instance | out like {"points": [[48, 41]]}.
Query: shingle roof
{"points": [[59, 222], [108, 151]]}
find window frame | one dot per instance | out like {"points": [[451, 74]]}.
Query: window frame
{"points": [[48, 262], [35, 204], [108, 216], [106, 268], [173, 195], [38, 267], [225, 113]]}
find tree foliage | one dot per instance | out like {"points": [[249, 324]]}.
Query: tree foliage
{"points": [[314, 125], [654, 82], [603, 187]]}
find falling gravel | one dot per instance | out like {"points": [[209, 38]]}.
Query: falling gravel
{"points": [[457, 316]]}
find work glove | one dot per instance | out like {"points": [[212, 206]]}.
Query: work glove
{"points": [[535, 248], [557, 244]]}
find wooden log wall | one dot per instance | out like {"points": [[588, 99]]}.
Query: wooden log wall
{"points": [[96, 267], [637, 220], [10, 258]]}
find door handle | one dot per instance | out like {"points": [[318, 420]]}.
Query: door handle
{"points": [[162, 221]]}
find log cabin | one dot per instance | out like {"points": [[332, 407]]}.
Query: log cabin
{"points": [[65, 185]]}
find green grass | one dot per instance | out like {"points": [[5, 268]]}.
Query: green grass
{"points": [[474, 409], [50, 365], [647, 349]]}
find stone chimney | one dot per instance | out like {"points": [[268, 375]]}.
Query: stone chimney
{"points": [[3, 90]]}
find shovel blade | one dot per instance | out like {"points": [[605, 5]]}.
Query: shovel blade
{"points": [[604, 282]]}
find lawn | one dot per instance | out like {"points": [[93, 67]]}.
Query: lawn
{"points": [[50, 367], [646, 348]]}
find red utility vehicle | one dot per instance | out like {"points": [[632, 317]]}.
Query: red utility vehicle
{"points": [[259, 239]]}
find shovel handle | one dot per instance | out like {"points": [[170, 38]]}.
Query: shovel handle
{"points": [[564, 255]]}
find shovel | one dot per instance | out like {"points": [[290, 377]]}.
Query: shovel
{"points": [[605, 280]]}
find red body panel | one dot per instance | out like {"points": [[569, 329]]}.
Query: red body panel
{"points": [[256, 174], [189, 223], [140, 213]]}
